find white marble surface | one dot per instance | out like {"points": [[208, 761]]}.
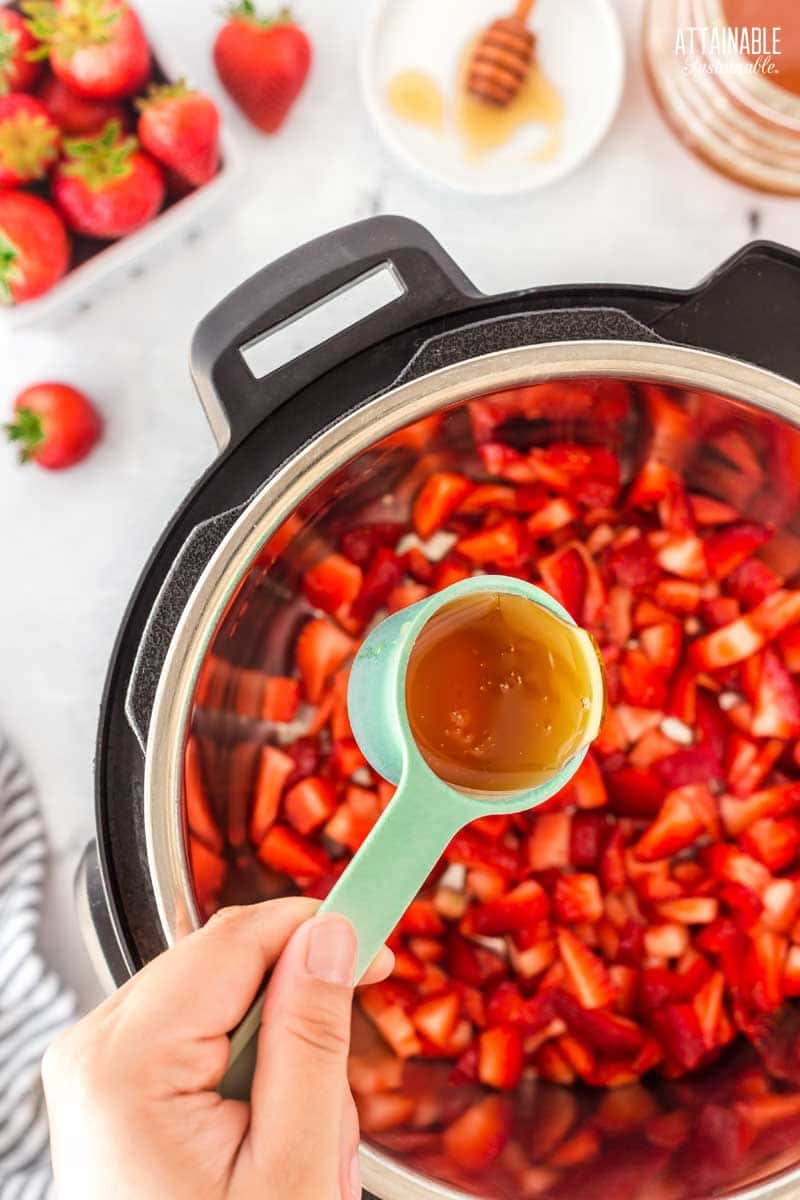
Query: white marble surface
{"points": [[642, 210]]}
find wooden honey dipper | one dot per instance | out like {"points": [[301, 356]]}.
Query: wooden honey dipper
{"points": [[502, 58]]}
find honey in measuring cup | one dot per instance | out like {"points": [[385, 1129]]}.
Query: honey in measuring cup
{"points": [[500, 693]]}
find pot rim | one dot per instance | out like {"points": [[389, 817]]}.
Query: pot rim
{"points": [[280, 495]]}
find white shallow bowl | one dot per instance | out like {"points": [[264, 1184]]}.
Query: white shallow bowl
{"points": [[181, 221], [579, 47]]}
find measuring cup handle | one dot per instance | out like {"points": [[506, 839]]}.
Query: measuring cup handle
{"points": [[373, 892], [394, 862]]}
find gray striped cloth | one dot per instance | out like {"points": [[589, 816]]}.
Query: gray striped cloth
{"points": [[34, 1005]]}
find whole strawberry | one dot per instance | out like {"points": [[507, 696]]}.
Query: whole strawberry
{"points": [[180, 127], [263, 62], [77, 116], [17, 72], [54, 425], [105, 187], [34, 247], [29, 139], [96, 47]]}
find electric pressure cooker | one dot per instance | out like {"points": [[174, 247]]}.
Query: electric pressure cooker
{"points": [[304, 444]]}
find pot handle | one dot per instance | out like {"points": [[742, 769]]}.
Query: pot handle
{"points": [[96, 924], [418, 281], [747, 308]]}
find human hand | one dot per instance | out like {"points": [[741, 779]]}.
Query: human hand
{"points": [[130, 1089]]}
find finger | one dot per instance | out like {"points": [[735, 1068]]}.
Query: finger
{"points": [[203, 986], [301, 1073], [349, 1166], [380, 968]]}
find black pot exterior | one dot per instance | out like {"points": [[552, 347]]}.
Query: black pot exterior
{"points": [[746, 309]]}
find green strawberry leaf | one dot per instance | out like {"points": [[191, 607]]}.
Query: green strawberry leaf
{"points": [[66, 28], [158, 92], [28, 430], [9, 268], [97, 160], [9, 41], [245, 10]]}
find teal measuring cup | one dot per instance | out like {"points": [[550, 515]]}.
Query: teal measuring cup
{"points": [[425, 812]]}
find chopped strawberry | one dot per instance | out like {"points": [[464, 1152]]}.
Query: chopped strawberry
{"points": [[290, 854], [346, 757], [321, 650], [472, 964], [678, 595], [523, 906], [682, 554], [274, 769], [549, 842], [762, 971], [644, 682], [476, 1138], [498, 544], [281, 698], [777, 705], [678, 1028], [662, 644], [495, 496], [752, 581], [708, 511], [383, 575], [678, 824], [199, 813], [690, 910], [438, 499], [730, 864], [635, 791], [564, 577], [694, 764], [589, 833], [577, 898], [436, 1018], [728, 548], [607, 1032], [773, 842], [740, 813], [500, 1056], [333, 583], [362, 543], [634, 565], [380, 1111], [209, 873], [586, 973], [309, 804], [471, 850], [587, 474], [653, 482], [406, 594], [421, 919], [731, 644], [554, 515], [353, 820]]}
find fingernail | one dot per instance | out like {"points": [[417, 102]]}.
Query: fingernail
{"points": [[331, 950], [355, 1178]]}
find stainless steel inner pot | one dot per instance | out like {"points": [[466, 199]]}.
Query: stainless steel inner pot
{"points": [[334, 450]]}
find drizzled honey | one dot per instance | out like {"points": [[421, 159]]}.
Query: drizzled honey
{"points": [[500, 693], [416, 97]]}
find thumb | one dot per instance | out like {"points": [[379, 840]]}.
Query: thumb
{"points": [[300, 1083]]}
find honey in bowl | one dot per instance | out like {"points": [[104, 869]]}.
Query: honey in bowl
{"points": [[501, 693]]}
